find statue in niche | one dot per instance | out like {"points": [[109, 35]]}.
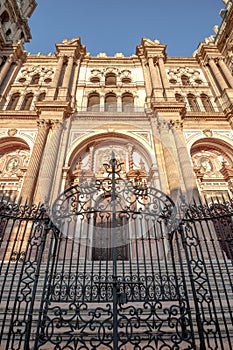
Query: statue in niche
{"points": [[13, 164], [206, 165]]}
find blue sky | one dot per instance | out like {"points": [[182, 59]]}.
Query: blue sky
{"points": [[117, 26]]}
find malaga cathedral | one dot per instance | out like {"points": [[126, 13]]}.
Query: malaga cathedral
{"points": [[116, 183], [168, 119]]}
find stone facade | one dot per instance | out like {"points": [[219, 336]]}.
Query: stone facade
{"points": [[167, 119]]}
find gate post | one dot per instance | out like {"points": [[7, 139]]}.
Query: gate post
{"points": [[115, 283], [47, 224], [202, 346]]}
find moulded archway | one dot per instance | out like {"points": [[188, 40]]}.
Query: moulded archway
{"points": [[210, 157], [87, 156], [14, 158]]}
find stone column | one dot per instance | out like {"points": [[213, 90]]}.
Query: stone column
{"points": [[184, 159], [20, 102], [50, 157], [30, 179], [60, 175], [6, 68], [218, 76], [163, 74], [102, 103], [74, 85], [200, 104], [91, 159], [119, 104], [130, 156], [68, 72], [58, 71], [226, 72], [147, 80], [170, 164], [54, 85], [165, 82], [156, 82], [210, 78]]}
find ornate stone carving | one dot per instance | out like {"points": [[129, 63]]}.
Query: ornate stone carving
{"points": [[12, 132], [28, 72], [194, 75], [177, 124], [13, 164], [208, 132]]}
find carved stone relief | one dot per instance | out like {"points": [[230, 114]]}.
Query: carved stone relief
{"points": [[90, 164], [195, 76], [26, 74], [209, 163], [100, 73], [13, 164]]}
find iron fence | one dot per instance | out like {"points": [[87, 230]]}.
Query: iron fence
{"points": [[113, 265]]}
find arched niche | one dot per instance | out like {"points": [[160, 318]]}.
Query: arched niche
{"points": [[210, 156], [86, 160], [14, 159]]}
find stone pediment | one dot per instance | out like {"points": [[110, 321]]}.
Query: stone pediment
{"points": [[149, 42], [74, 41]]}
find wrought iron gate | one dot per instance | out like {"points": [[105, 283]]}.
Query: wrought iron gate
{"points": [[116, 265]]}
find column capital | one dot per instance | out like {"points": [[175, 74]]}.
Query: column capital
{"points": [[159, 58], [177, 124], [60, 55], [70, 56], [164, 125], [56, 124], [43, 124]]}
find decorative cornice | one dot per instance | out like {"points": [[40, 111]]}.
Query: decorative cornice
{"points": [[168, 106], [18, 115], [54, 106]]}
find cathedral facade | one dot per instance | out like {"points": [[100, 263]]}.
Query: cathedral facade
{"points": [[116, 184], [167, 119]]}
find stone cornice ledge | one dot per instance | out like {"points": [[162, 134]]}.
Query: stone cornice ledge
{"points": [[18, 114], [54, 109]]}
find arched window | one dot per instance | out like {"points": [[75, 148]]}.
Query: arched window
{"points": [[2, 61], [27, 102], [179, 98], [110, 79], [185, 80], [206, 103], [13, 101], [127, 102], [126, 80], [193, 103], [110, 102], [41, 97], [93, 103], [95, 80], [35, 79], [4, 17], [22, 35], [8, 33]]}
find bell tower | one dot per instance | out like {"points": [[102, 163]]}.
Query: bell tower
{"points": [[14, 15]]}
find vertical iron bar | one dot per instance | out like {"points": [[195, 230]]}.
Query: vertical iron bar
{"points": [[35, 284], [115, 283], [194, 294]]}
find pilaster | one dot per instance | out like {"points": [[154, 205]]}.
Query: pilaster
{"points": [[184, 159], [30, 179], [172, 172], [50, 156]]}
